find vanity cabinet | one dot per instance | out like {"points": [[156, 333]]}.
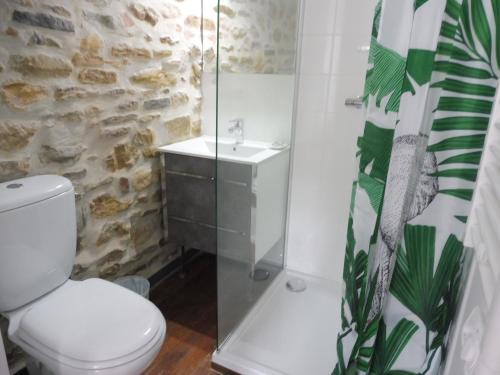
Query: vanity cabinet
{"points": [[251, 202]]}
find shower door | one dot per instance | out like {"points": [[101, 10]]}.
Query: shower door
{"points": [[255, 77]]}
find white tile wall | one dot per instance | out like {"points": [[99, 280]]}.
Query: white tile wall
{"points": [[263, 101], [333, 67], [320, 14], [316, 55], [313, 93]]}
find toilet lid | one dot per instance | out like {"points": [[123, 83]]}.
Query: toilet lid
{"points": [[91, 321]]}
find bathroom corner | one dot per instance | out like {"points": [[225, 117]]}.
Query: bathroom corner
{"points": [[250, 187]]}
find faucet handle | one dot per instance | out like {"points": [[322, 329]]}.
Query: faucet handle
{"points": [[236, 123], [236, 128]]}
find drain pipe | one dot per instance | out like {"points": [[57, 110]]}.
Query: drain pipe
{"points": [[4, 367]]}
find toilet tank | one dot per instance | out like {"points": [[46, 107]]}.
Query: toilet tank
{"points": [[37, 238]]}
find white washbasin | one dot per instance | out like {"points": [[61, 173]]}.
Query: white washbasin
{"points": [[244, 150], [249, 152]]}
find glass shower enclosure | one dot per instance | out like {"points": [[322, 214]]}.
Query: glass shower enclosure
{"points": [[255, 77], [274, 240]]}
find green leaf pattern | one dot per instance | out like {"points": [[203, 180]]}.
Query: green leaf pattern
{"points": [[457, 75]]}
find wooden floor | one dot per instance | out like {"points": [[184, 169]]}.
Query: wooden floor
{"points": [[190, 307]]}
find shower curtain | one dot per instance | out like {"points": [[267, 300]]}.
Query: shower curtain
{"points": [[432, 78]]}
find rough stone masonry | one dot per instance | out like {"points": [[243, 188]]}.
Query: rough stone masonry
{"points": [[89, 88]]}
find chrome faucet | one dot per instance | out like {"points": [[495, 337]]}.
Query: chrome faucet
{"points": [[236, 127]]}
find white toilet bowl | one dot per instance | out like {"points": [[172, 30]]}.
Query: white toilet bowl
{"points": [[68, 327], [90, 327]]}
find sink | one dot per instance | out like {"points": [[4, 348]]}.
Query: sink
{"points": [[249, 152], [232, 149]]}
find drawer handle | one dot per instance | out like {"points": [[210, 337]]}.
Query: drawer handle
{"points": [[205, 178], [190, 221], [184, 174], [237, 183]]}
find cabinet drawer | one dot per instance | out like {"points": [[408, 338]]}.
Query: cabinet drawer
{"points": [[234, 209], [191, 197], [190, 165], [235, 172], [192, 235]]}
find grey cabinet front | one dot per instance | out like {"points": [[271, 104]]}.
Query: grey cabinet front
{"points": [[191, 206], [191, 187], [191, 197]]}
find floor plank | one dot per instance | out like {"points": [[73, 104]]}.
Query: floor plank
{"points": [[190, 307]]}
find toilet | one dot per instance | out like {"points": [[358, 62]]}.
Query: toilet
{"points": [[66, 327]]}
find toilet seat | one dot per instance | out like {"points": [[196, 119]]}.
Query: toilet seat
{"points": [[90, 327]]}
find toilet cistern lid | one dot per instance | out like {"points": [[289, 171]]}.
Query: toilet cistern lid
{"points": [[93, 320], [29, 190]]}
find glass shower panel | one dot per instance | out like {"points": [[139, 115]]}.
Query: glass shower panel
{"points": [[255, 90]]}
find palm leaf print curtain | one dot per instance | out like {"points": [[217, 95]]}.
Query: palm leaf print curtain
{"points": [[432, 78]]}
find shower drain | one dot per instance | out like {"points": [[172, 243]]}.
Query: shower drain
{"points": [[259, 274], [296, 285]]}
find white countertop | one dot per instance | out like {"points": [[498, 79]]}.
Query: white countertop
{"points": [[249, 152]]}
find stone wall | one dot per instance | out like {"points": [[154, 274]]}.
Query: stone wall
{"points": [[256, 36], [88, 89]]}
